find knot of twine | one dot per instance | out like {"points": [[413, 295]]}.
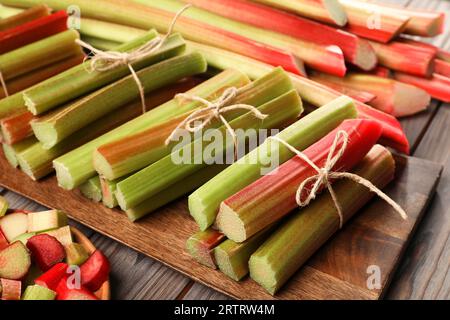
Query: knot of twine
{"points": [[325, 174], [102, 61], [3, 83], [200, 118]]}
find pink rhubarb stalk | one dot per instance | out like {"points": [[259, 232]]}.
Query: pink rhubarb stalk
{"points": [[358, 95], [405, 57], [356, 50], [368, 21], [273, 196], [438, 86], [391, 96]]}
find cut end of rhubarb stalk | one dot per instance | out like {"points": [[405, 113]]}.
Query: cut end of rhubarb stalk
{"points": [[366, 57], [409, 100], [262, 272], [102, 166], [201, 245], [45, 133], [63, 176], [30, 104], [223, 262], [336, 11], [228, 219]]}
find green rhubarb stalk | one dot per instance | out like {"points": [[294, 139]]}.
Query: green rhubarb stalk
{"points": [[61, 123], [100, 43], [174, 192], [11, 151], [39, 54], [204, 202], [113, 32], [201, 246], [232, 258], [38, 293], [76, 167], [36, 161], [307, 230], [131, 192], [11, 105], [108, 189], [77, 81], [92, 189], [6, 12], [135, 152]]}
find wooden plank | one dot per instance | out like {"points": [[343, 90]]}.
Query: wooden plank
{"points": [[424, 273], [163, 235]]}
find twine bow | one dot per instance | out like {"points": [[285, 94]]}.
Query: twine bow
{"points": [[3, 83], [199, 119], [325, 174], [103, 61]]}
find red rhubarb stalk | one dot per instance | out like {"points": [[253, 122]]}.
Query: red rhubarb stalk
{"points": [[318, 94], [405, 57], [380, 71], [361, 96], [356, 50], [33, 31], [3, 242], [273, 196], [368, 21], [438, 86], [392, 96], [442, 67]]}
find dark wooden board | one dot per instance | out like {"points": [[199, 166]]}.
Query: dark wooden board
{"points": [[377, 236]]}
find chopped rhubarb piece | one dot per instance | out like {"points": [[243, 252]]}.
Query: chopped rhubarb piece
{"points": [[63, 292], [38, 293], [46, 251], [3, 242], [14, 261], [13, 225], [95, 271], [10, 289], [52, 277]]}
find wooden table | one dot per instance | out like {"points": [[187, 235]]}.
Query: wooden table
{"points": [[424, 272]]}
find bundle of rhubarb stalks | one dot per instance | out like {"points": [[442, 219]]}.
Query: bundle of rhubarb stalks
{"points": [[314, 69]]}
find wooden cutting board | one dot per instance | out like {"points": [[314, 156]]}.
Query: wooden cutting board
{"points": [[373, 241]]}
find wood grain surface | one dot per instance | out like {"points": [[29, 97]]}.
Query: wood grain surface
{"points": [[338, 271]]}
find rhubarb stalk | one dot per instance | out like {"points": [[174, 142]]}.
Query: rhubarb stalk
{"points": [[328, 11], [356, 50], [32, 78], [78, 81], [39, 54], [232, 258], [76, 167], [289, 247], [26, 16], [273, 196], [174, 192], [280, 111], [36, 161], [33, 31], [11, 151], [442, 67], [204, 202], [91, 189], [324, 58], [369, 21], [108, 188], [391, 96], [201, 246], [438, 86], [16, 127], [405, 57], [135, 152], [61, 123]]}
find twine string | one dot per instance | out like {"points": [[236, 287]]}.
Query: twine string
{"points": [[325, 174], [3, 83], [200, 118], [102, 61]]}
